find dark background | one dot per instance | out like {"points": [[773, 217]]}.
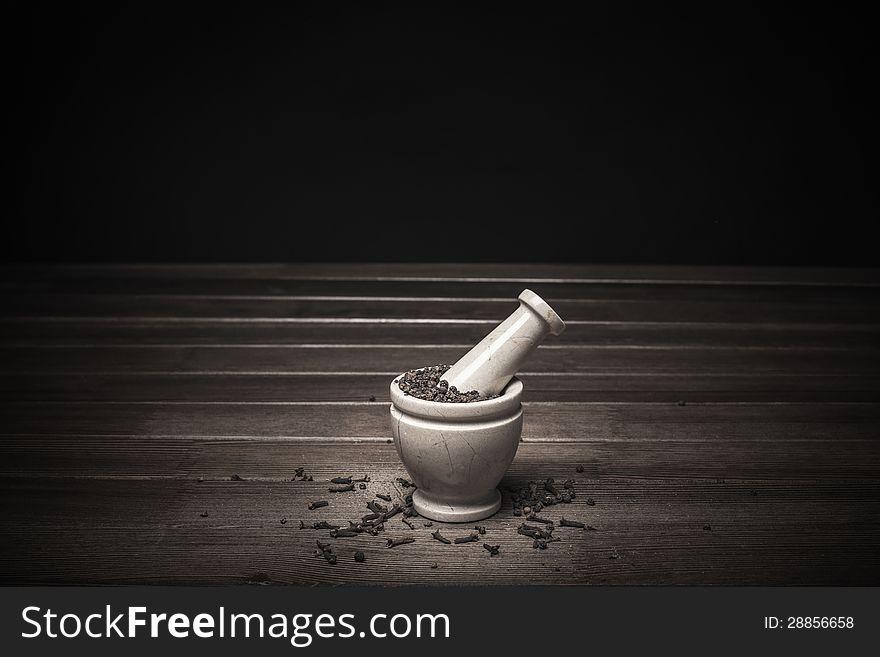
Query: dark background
{"points": [[159, 133]]}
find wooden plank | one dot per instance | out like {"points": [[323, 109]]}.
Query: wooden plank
{"points": [[275, 459], [572, 310], [393, 360], [587, 387], [91, 331], [390, 288], [63, 531], [522, 272], [553, 421]]}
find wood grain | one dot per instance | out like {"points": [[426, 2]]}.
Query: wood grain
{"points": [[490, 309], [394, 360], [130, 394], [152, 531], [545, 387], [106, 331], [550, 421]]}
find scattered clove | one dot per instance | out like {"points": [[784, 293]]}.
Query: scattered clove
{"points": [[343, 533], [319, 504], [362, 486], [535, 518], [323, 524], [591, 501], [372, 398], [429, 524], [383, 496], [408, 523], [706, 528], [283, 520], [375, 507], [580, 468], [340, 480], [481, 529], [406, 483], [493, 549], [440, 537], [236, 477], [571, 523], [472, 538], [204, 514], [394, 542]]}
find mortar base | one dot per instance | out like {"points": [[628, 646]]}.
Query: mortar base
{"points": [[434, 510]]}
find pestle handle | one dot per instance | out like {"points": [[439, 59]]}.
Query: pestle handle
{"points": [[492, 363]]}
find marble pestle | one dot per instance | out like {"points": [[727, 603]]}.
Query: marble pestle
{"points": [[490, 365]]}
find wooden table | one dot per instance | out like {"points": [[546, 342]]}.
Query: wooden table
{"points": [[726, 421]]}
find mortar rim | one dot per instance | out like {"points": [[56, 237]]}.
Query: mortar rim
{"points": [[507, 404]]}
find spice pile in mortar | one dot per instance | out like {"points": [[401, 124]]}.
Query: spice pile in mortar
{"points": [[426, 384]]}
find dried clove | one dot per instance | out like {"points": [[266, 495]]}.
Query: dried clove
{"points": [[591, 501], [406, 483], [550, 488], [342, 489], [394, 542], [302, 525], [323, 524], [319, 504], [283, 520], [326, 551], [375, 507], [535, 518], [408, 523], [343, 533], [429, 524], [440, 537], [393, 511], [340, 480], [362, 486], [204, 514], [236, 477], [534, 532], [364, 478], [383, 496], [571, 523], [472, 538], [493, 549], [481, 529]]}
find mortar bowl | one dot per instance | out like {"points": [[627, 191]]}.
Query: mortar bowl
{"points": [[457, 453]]}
